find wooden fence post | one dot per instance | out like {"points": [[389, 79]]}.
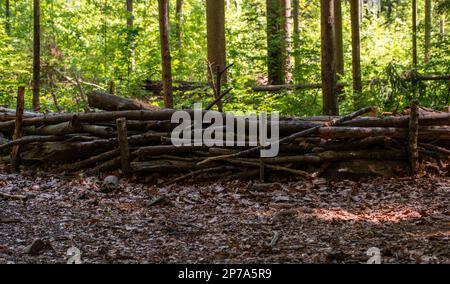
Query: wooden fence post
{"points": [[15, 151], [123, 146]]}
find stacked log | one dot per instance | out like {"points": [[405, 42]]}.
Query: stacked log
{"points": [[137, 142]]}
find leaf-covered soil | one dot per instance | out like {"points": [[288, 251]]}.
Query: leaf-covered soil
{"points": [[233, 222]]}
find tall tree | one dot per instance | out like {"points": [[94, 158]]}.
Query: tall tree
{"points": [[278, 38], [36, 54], [427, 29], [7, 18], [296, 34], [330, 105], [163, 6], [130, 33], [215, 20], [339, 42], [414, 32], [179, 21], [356, 50]]}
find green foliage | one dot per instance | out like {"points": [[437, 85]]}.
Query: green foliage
{"points": [[88, 41]]}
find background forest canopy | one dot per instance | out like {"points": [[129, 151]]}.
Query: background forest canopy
{"points": [[89, 41]]}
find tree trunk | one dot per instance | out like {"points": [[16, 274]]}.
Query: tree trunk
{"points": [[36, 55], [130, 24], [339, 43], [330, 106], [165, 52], [153, 151], [414, 32], [427, 30], [287, 27], [123, 146], [7, 18], [277, 40], [356, 51], [109, 102], [296, 19], [179, 21], [215, 19]]}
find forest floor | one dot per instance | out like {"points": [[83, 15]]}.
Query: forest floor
{"points": [[297, 222]]}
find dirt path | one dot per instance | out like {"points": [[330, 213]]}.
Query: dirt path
{"points": [[319, 221]]}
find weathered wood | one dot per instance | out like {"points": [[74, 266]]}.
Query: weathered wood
{"points": [[98, 130], [109, 165], [123, 146], [295, 135], [93, 117], [148, 138], [108, 102], [360, 132], [163, 166], [242, 162], [166, 149], [333, 156], [15, 152], [10, 114], [363, 143], [31, 139], [92, 160], [413, 138], [432, 147], [69, 127], [12, 196]]}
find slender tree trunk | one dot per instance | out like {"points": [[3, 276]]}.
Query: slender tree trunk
{"points": [[330, 106], [7, 18], [287, 27], [361, 10], [215, 18], [339, 43], [277, 40], [36, 55], [179, 21], [427, 30], [356, 50], [165, 52], [414, 32], [130, 24]]}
